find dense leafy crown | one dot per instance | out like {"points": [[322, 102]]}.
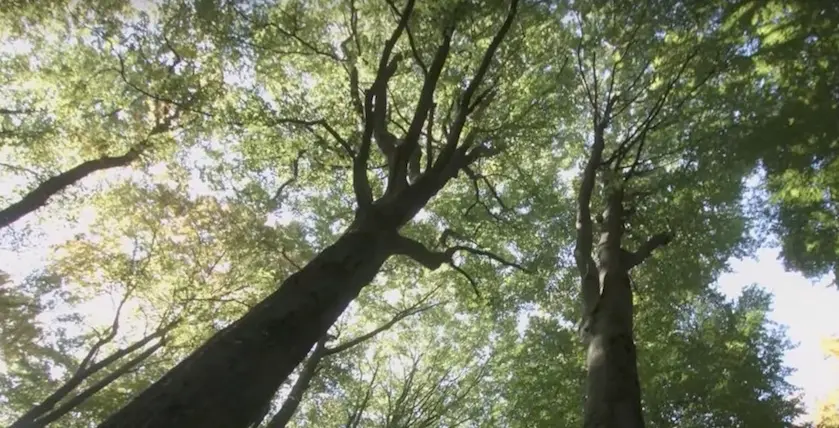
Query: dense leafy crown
{"points": [[200, 152]]}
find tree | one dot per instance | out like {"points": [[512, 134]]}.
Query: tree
{"points": [[639, 79], [251, 357], [694, 338]]}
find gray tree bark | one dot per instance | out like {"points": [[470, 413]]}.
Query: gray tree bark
{"points": [[613, 391]]}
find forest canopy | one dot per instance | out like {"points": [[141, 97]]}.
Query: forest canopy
{"points": [[399, 213]]}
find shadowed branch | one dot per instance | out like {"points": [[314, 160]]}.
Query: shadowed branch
{"points": [[278, 195], [375, 111], [443, 161], [645, 251], [432, 260]]}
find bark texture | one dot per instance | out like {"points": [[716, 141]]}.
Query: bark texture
{"points": [[613, 392], [229, 379]]}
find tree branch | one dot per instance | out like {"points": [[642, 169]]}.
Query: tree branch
{"points": [[39, 196], [385, 139], [13, 111], [294, 173], [321, 351], [358, 410], [478, 199], [411, 41], [491, 255], [581, 68], [361, 183], [304, 378], [645, 251], [429, 137], [410, 145], [476, 176], [96, 387], [112, 332], [35, 174], [186, 105], [413, 310], [454, 132], [432, 260], [584, 246], [586, 266], [85, 370], [375, 105], [308, 124], [638, 135], [351, 60], [289, 34]]}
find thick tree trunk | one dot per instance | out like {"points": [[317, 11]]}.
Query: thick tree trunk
{"points": [[39, 196], [613, 392], [228, 380]]}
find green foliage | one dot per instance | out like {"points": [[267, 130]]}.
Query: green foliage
{"points": [[248, 184], [798, 139], [721, 360]]}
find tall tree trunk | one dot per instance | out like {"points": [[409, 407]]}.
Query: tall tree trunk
{"points": [[281, 419], [613, 392], [229, 379], [613, 397]]}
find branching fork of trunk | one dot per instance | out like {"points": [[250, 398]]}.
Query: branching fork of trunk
{"points": [[432, 260]]}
